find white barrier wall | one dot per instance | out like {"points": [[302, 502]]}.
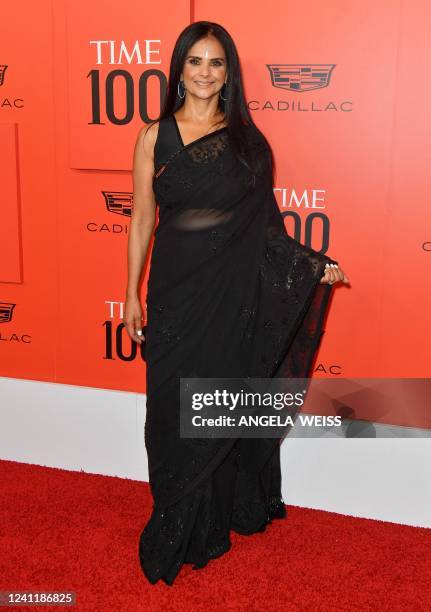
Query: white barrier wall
{"points": [[383, 477]]}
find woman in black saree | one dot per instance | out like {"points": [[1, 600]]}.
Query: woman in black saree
{"points": [[230, 294]]}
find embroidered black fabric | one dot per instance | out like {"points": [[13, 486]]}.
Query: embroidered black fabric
{"points": [[230, 294]]}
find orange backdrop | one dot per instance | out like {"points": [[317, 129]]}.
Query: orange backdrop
{"points": [[338, 89]]}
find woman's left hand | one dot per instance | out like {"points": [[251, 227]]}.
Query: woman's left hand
{"points": [[334, 274]]}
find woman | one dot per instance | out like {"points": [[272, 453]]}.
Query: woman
{"points": [[229, 294]]}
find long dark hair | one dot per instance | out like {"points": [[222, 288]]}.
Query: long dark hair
{"points": [[248, 143]]}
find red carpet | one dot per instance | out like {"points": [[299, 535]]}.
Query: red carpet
{"points": [[74, 531]]}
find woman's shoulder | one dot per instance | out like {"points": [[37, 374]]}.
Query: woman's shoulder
{"points": [[253, 131], [153, 130], [148, 135], [256, 138], [146, 140], [149, 131]]}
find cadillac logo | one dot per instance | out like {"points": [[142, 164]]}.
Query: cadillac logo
{"points": [[119, 202], [6, 310], [2, 73], [300, 77]]}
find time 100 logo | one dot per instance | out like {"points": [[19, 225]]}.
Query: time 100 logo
{"points": [[112, 78], [303, 230], [115, 336]]}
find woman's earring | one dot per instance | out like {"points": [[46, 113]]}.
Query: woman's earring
{"points": [[184, 89], [224, 85]]}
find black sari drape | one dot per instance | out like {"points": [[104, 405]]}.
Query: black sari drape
{"points": [[230, 294]]}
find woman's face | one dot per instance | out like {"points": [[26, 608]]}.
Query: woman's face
{"points": [[205, 70]]}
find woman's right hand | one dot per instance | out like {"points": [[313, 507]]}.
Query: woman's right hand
{"points": [[133, 319]]}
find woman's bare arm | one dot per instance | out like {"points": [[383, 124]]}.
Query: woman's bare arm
{"points": [[141, 225]]}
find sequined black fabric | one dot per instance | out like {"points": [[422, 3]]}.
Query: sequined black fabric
{"points": [[230, 294]]}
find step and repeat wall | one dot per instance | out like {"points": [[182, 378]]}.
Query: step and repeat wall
{"points": [[338, 88]]}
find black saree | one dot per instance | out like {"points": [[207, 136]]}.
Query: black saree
{"points": [[230, 294]]}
